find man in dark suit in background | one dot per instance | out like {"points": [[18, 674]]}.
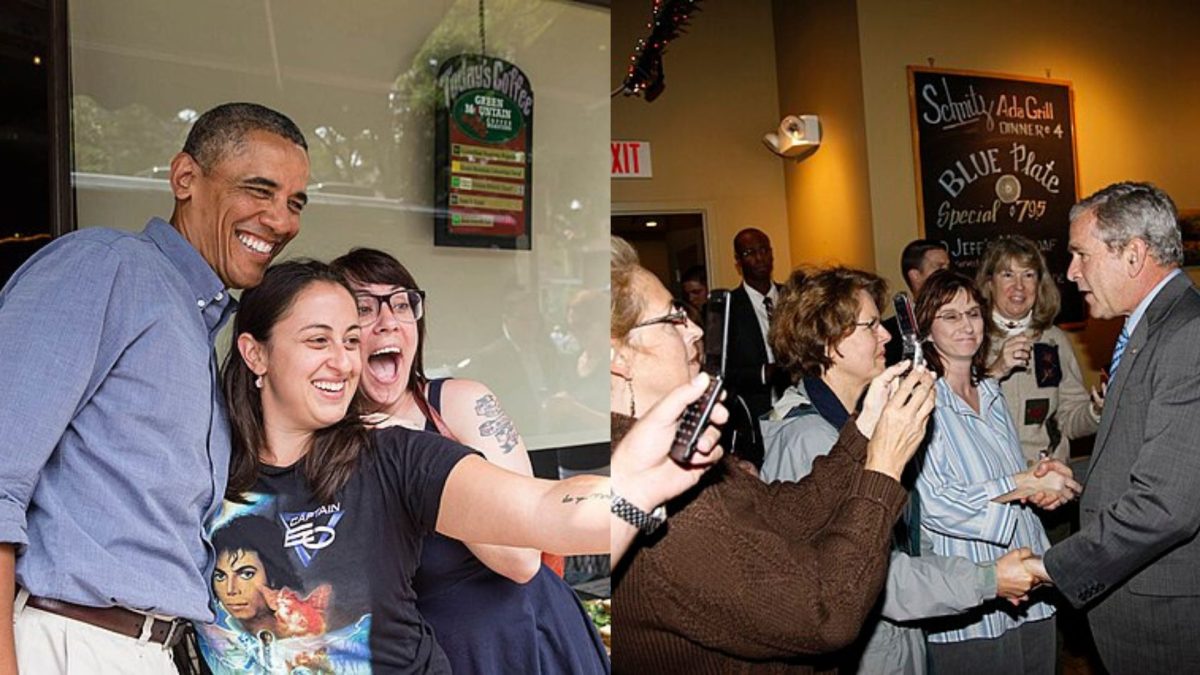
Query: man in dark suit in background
{"points": [[750, 366], [920, 259], [1136, 559]]}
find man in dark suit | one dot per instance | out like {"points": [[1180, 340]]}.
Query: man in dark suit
{"points": [[750, 366], [920, 259], [1136, 560]]}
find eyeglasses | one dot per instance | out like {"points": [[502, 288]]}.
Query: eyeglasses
{"points": [[407, 305], [677, 317], [869, 325], [955, 317], [758, 250]]}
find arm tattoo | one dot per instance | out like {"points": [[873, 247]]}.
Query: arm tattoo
{"points": [[575, 499], [498, 423]]}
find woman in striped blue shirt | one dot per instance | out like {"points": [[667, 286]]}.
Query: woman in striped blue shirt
{"points": [[974, 483]]}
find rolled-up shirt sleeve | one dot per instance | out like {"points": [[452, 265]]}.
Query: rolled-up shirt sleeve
{"points": [[52, 317]]}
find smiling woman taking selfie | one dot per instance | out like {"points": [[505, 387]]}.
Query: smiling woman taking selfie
{"points": [[351, 506]]}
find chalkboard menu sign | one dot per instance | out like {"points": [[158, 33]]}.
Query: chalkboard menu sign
{"points": [[995, 155]]}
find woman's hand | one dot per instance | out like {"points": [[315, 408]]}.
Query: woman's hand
{"points": [[1014, 354], [1013, 578], [1047, 485], [1054, 474], [642, 471], [877, 396], [901, 426]]}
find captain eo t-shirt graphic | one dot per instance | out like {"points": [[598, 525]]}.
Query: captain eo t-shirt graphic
{"points": [[305, 536], [275, 611]]}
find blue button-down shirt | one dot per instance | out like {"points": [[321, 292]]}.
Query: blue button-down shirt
{"points": [[114, 445], [970, 460]]}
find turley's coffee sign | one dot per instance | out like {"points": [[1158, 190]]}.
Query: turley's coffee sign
{"points": [[484, 170]]}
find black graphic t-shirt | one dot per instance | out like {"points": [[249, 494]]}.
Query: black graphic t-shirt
{"points": [[305, 587]]}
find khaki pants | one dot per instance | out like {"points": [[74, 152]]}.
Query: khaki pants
{"points": [[52, 644]]}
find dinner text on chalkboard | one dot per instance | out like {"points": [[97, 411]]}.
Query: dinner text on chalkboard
{"points": [[995, 155]]}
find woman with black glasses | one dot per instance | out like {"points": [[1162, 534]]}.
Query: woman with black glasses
{"points": [[494, 609], [736, 576]]}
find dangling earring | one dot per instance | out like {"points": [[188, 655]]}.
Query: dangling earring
{"points": [[632, 403], [258, 381]]}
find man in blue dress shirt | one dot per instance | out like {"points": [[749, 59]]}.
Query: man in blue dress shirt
{"points": [[114, 445]]}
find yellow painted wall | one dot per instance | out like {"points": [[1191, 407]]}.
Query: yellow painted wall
{"points": [[1136, 76], [828, 192], [706, 128]]}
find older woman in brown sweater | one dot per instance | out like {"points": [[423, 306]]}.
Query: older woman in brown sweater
{"points": [[749, 577]]}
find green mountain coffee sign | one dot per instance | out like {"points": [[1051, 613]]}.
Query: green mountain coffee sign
{"points": [[484, 169]]}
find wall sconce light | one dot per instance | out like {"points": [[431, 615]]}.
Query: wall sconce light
{"points": [[798, 136]]}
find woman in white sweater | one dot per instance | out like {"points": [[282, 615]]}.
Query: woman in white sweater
{"points": [[1030, 357]]}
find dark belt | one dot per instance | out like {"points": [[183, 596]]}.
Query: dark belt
{"points": [[116, 619]]}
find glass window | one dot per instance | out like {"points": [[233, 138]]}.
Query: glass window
{"points": [[359, 80]]}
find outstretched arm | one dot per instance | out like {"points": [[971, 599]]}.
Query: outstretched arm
{"points": [[487, 504], [768, 571], [644, 474], [476, 417]]}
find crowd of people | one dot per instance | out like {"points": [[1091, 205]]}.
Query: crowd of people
{"points": [[776, 563], [304, 504], [317, 503]]}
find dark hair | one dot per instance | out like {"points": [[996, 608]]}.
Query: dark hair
{"points": [[817, 310], [224, 128], [335, 449], [749, 231], [263, 537], [372, 266], [939, 289], [695, 273], [999, 256], [914, 255]]}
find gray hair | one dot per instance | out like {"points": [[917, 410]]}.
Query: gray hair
{"points": [[1127, 211]]}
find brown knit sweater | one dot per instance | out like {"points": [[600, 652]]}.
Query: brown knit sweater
{"points": [[754, 578]]}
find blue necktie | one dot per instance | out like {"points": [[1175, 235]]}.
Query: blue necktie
{"points": [[1119, 349]]}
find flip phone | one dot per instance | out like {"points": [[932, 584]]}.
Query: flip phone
{"points": [[906, 319], [695, 417]]}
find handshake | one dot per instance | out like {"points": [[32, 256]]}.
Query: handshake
{"points": [[1047, 485], [1019, 572]]}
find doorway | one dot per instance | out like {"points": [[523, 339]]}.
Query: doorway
{"points": [[668, 244]]}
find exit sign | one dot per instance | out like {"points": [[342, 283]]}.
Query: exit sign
{"points": [[631, 159]]}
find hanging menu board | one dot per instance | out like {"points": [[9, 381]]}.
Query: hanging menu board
{"points": [[484, 169], [995, 155]]}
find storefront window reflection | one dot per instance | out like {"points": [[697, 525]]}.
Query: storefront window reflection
{"points": [[359, 80]]}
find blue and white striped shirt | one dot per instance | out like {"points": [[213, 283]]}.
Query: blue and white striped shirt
{"points": [[970, 460]]}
